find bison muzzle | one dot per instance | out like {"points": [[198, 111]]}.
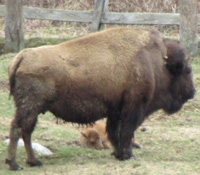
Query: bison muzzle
{"points": [[122, 73]]}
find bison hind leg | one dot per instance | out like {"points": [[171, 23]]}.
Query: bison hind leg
{"points": [[28, 124], [26, 135], [15, 134], [23, 125], [28, 105]]}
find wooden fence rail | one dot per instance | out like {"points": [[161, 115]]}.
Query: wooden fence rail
{"points": [[101, 16], [107, 17]]}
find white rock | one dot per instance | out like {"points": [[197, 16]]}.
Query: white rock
{"points": [[41, 150]]}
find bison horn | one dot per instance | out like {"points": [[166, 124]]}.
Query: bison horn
{"points": [[165, 57]]}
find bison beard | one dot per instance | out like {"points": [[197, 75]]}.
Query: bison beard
{"points": [[123, 73]]}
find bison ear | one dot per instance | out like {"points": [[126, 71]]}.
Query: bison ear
{"points": [[84, 135], [91, 125], [175, 59]]}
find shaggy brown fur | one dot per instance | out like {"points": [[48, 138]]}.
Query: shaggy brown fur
{"points": [[95, 136], [123, 73]]}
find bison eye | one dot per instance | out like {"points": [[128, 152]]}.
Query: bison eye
{"points": [[175, 69], [93, 142]]}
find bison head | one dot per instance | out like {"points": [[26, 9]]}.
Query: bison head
{"points": [[181, 87], [92, 138]]}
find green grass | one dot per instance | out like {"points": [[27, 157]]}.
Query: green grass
{"points": [[170, 145], [34, 42]]}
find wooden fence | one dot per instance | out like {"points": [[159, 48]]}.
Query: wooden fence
{"points": [[14, 14]]}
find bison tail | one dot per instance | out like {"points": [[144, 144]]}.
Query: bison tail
{"points": [[12, 71]]}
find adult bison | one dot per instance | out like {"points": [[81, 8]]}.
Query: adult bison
{"points": [[122, 73]]}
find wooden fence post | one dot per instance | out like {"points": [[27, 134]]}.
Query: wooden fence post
{"points": [[97, 15], [14, 26], [188, 25], [105, 7]]}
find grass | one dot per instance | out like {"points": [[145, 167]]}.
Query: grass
{"points": [[33, 42], [170, 144]]}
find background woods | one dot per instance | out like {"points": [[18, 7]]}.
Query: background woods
{"points": [[104, 12]]}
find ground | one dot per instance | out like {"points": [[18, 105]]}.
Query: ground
{"points": [[170, 144]]}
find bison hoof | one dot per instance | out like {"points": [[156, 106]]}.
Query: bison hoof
{"points": [[13, 165], [34, 163]]}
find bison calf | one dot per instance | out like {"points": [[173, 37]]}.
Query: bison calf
{"points": [[95, 136], [122, 73]]}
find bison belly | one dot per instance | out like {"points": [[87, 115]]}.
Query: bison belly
{"points": [[78, 110]]}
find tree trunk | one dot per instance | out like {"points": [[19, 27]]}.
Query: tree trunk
{"points": [[14, 26], [188, 25]]}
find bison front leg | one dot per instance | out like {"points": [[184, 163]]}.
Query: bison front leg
{"points": [[120, 132]]}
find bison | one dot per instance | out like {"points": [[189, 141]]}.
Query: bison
{"points": [[123, 73], [95, 136]]}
